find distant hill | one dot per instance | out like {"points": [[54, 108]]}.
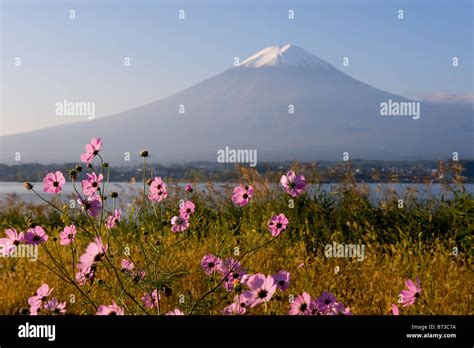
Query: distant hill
{"points": [[364, 171]]}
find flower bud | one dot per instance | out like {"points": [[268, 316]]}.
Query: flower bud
{"points": [[72, 174]]}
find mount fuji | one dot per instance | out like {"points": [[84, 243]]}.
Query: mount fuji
{"points": [[283, 102]]}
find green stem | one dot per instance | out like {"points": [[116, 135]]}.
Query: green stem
{"points": [[426, 305]]}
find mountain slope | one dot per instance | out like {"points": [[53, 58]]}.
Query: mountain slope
{"points": [[246, 107]]}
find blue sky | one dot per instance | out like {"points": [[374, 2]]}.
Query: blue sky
{"points": [[82, 59]]}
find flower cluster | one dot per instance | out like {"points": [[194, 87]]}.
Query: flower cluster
{"points": [[150, 300], [33, 236], [41, 302], [252, 289], [158, 190], [326, 304], [129, 268], [232, 273], [257, 289], [181, 223], [249, 290], [9, 244]]}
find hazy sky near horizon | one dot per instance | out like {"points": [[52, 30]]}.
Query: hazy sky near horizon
{"points": [[82, 59]]}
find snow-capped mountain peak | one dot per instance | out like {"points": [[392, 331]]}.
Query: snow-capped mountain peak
{"points": [[285, 56]]}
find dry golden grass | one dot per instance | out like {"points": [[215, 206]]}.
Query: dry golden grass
{"points": [[417, 240], [367, 287]]}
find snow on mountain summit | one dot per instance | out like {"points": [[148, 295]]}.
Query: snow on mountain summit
{"points": [[285, 56]]}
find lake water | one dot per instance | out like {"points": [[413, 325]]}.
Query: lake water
{"points": [[126, 189]]}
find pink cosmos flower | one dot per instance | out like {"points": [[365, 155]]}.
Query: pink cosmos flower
{"points": [[35, 309], [9, 244], [240, 304], [336, 308], [263, 287], [40, 296], [113, 220], [245, 279], [344, 310], [176, 311], [301, 305], [210, 263], [187, 210], [113, 309], [94, 253], [92, 184], [127, 265], [6, 247], [158, 190], [233, 280], [292, 184], [394, 309], [91, 205], [138, 274], [414, 290], [92, 150], [327, 304], [188, 188], [242, 195], [53, 182], [232, 272], [234, 309], [179, 224], [85, 274], [36, 236], [55, 307], [282, 279], [326, 300], [68, 235], [129, 268], [150, 300], [14, 236], [277, 224]]}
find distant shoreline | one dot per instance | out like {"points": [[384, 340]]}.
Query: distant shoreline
{"points": [[363, 171]]}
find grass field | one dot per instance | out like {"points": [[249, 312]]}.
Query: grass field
{"points": [[404, 239]]}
